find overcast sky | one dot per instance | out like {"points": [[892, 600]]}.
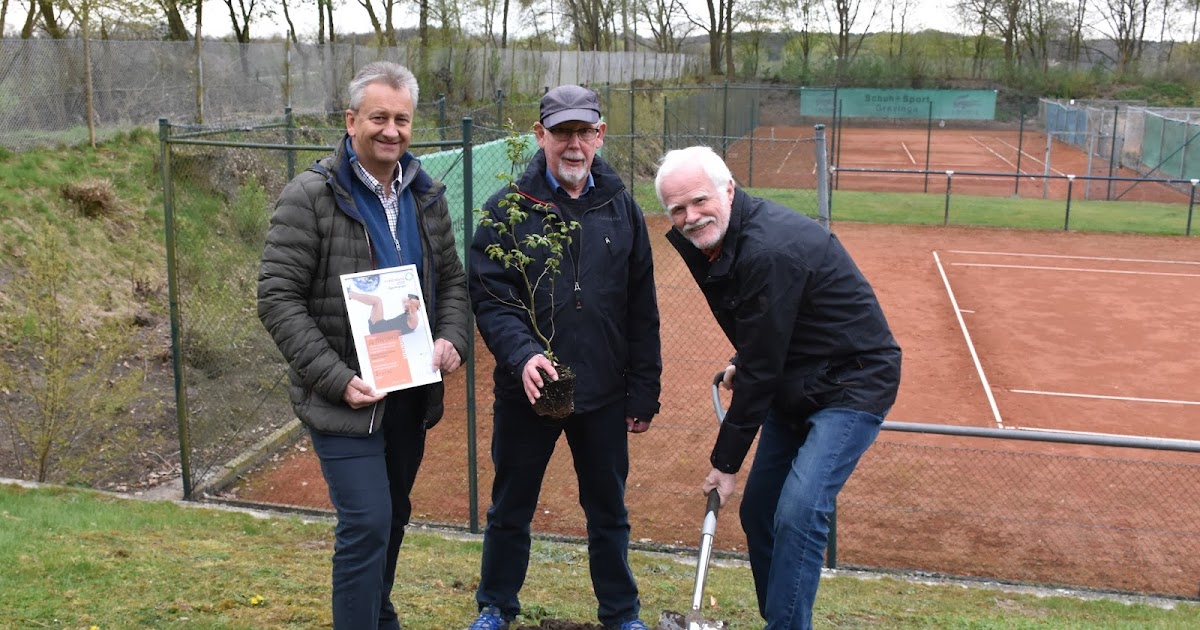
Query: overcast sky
{"points": [[351, 17]]}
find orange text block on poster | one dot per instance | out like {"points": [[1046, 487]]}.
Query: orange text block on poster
{"points": [[389, 365]]}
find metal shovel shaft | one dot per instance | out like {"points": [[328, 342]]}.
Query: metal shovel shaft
{"points": [[707, 531]]}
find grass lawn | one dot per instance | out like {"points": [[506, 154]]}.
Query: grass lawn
{"points": [[77, 558]]}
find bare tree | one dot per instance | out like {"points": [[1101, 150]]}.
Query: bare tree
{"points": [[663, 19], [1126, 26], [50, 19], [897, 32], [980, 13], [287, 17], [1075, 31], [375, 23], [845, 16], [172, 11], [588, 19], [30, 21], [1042, 22], [241, 15]]}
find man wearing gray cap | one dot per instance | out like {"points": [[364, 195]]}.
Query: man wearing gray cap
{"points": [[606, 317]]}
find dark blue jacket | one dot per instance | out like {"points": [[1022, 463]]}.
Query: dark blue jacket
{"points": [[807, 328], [605, 309]]}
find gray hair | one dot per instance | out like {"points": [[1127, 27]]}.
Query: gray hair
{"points": [[388, 73], [703, 156]]}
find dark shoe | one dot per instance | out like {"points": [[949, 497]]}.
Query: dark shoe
{"points": [[490, 619]]}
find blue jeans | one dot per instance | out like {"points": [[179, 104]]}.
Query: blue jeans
{"points": [[789, 496], [522, 443], [369, 479]]}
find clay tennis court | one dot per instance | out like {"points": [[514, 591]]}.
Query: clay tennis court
{"points": [[1078, 332], [779, 162]]}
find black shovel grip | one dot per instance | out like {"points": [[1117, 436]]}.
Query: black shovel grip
{"points": [[714, 502], [718, 378]]}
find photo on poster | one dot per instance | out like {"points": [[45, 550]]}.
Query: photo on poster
{"points": [[390, 327]]}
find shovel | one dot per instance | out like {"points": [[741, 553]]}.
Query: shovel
{"points": [[694, 620]]}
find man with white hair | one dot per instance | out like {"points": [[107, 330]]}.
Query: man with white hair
{"points": [[816, 368]]}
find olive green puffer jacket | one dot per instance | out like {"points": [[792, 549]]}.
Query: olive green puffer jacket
{"points": [[316, 235]]}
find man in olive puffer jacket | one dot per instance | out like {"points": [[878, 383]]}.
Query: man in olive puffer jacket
{"points": [[368, 206]]}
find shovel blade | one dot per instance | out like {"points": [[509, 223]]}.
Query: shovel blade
{"points": [[670, 620]]}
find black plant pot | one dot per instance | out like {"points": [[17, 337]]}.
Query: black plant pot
{"points": [[558, 397]]}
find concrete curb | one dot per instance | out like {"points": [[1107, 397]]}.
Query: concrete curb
{"points": [[264, 448], [224, 476]]}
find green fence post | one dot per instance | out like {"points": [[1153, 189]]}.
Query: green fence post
{"points": [[469, 360], [441, 101], [1020, 152], [181, 415], [1191, 206], [750, 160], [1112, 158], [928, 144], [831, 546], [946, 211], [725, 121], [632, 132], [1067, 216], [290, 133]]}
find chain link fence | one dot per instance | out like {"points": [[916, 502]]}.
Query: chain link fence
{"points": [[1079, 516], [44, 91]]}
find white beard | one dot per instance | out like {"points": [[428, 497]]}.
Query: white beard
{"points": [[693, 233]]}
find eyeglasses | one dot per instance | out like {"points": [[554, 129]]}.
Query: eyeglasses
{"points": [[563, 134]]}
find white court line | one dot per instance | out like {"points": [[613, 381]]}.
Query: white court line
{"points": [[785, 158], [987, 389], [908, 153], [1101, 397], [1120, 271], [1064, 257], [993, 152], [1028, 155]]}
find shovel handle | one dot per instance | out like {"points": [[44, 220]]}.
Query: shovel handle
{"points": [[716, 396], [714, 502]]}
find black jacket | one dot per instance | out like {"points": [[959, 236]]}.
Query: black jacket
{"points": [[605, 309], [807, 328], [316, 235]]}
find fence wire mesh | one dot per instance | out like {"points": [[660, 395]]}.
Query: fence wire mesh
{"points": [[915, 503], [43, 87]]}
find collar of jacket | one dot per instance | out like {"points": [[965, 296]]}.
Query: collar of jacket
{"points": [[723, 265], [533, 186], [339, 174]]}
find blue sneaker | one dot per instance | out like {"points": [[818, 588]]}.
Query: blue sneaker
{"points": [[635, 624], [490, 619]]}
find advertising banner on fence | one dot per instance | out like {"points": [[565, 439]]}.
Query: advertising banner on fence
{"points": [[891, 103]]}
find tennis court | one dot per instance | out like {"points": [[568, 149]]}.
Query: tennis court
{"points": [[1024, 330]]}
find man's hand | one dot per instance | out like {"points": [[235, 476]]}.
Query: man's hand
{"points": [[725, 483], [633, 425], [358, 394], [445, 357], [532, 379], [727, 381]]}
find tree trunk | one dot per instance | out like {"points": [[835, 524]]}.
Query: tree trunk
{"points": [[88, 89], [49, 20], [27, 29], [729, 38], [199, 64]]}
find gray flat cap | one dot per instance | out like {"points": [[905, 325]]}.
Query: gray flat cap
{"points": [[569, 102]]}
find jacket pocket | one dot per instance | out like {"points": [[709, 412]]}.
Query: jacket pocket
{"points": [[327, 417], [805, 394]]}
